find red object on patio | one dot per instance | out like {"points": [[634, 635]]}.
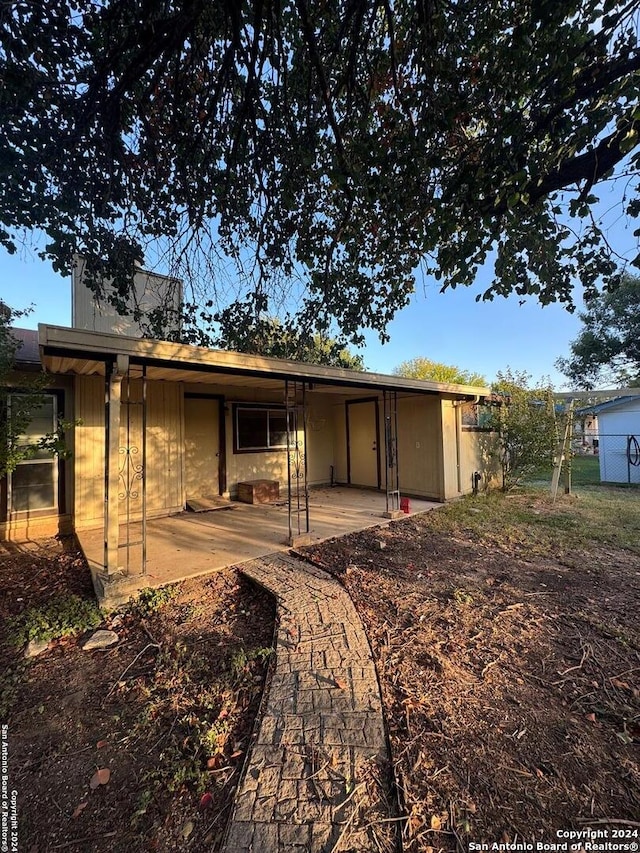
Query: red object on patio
{"points": [[405, 504]]}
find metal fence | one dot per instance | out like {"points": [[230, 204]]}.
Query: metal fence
{"points": [[607, 458]]}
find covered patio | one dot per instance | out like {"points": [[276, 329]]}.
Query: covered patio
{"points": [[163, 427], [190, 544]]}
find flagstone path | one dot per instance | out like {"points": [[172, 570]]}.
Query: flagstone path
{"points": [[321, 734]]}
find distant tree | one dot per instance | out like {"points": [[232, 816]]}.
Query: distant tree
{"points": [[527, 425], [425, 368], [273, 337], [608, 346]]}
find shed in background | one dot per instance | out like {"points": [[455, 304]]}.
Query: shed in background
{"points": [[618, 439]]}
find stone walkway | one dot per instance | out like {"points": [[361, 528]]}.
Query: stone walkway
{"points": [[321, 735]]}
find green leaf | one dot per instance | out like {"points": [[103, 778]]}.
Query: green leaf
{"points": [[629, 141]]}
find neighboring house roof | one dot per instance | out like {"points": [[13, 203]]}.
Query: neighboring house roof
{"points": [[29, 349], [608, 404], [76, 351]]}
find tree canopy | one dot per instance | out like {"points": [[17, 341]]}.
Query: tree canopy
{"points": [[608, 346], [272, 337], [425, 368], [326, 149]]}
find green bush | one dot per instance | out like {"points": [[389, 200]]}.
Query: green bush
{"points": [[60, 617], [151, 600]]}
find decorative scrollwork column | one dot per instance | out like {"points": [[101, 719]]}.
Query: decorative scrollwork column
{"points": [[130, 475]]}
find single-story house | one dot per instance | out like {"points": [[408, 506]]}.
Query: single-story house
{"points": [[618, 435], [160, 426]]}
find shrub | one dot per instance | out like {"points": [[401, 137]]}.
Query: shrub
{"points": [[61, 617], [151, 600]]}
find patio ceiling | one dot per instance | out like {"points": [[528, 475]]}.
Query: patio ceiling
{"points": [[86, 353]]}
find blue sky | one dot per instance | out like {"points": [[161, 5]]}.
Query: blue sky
{"points": [[450, 327], [485, 337]]}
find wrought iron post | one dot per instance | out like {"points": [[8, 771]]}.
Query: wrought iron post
{"points": [[132, 473], [288, 426], [115, 370], [296, 420], [392, 481], [144, 470]]}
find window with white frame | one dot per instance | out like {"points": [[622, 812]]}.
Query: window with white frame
{"points": [[33, 484], [259, 429]]}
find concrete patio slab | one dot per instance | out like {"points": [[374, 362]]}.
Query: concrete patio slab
{"points": [[190, 544]]}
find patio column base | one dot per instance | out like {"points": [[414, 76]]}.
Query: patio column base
{"points": [[117, 588], [394, 513], [298, 541]]}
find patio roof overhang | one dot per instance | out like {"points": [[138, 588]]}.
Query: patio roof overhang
{"points": [[77, 351]]}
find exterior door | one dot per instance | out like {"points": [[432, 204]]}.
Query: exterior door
{"points": [[201, 447], [363, 443]]}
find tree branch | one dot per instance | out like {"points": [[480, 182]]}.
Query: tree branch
{"points": [[590, 167], [322, 79], [590, 83]]}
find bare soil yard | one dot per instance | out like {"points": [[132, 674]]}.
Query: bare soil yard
{"points": [[167, 712], [506, 635]]}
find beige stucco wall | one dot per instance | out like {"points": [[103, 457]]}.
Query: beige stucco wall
{"points": [[419, 444], [320, 439], [272, 464], [427, 446], [165, 447], [449, 413], [479, 452], [339, 421], [269, 464], [88, 457]]}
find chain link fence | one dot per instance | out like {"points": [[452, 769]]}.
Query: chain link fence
{"points": [[607, 458]]}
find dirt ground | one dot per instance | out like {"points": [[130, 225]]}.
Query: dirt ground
{"points": [[507, 640], [168, 712], [506, 636]]}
